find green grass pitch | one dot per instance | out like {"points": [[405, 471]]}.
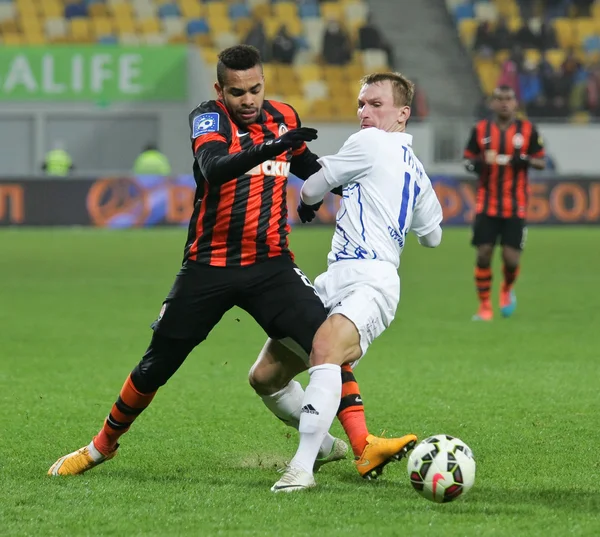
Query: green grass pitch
{"points": [[75, 308]]}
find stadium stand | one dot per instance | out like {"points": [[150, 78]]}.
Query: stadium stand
{"points": [[292, 34], [549, 52]]}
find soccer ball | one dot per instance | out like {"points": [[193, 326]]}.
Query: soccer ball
{"points": [[441, 468]]}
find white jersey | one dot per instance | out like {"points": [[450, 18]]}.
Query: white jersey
{"points": [[386, 194]]}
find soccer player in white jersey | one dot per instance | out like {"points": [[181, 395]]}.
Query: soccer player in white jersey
{"points": [[386, 194]]}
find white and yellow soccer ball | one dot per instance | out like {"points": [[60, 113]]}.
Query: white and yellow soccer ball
{"points": [[441, 468]]}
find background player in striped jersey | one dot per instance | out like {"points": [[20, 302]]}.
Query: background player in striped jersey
{"points": [[500, 153], [236, 254]]}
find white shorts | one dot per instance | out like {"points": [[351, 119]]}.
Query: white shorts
{"points": [[365, 291]]}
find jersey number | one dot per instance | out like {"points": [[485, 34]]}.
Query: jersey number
{"points": [[305, 279], [402, 227]]}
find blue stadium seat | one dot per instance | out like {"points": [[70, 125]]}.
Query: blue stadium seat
{"points": [[239, 11], [197, 26], [75, 10], [108, 40], [307, 11], [464, 11], [592, 44], [168, 10]]}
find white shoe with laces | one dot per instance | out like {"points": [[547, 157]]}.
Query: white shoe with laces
{"points": [[294, 479]]}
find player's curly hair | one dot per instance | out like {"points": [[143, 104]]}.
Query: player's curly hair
{"points": [[402, 87], [237, 58]]}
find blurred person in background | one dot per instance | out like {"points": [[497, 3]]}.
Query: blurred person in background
{"points": [[337, 49], [257, 38], [58, 162], [371, 37], [500, 152], [284, 46], [151, 162]]}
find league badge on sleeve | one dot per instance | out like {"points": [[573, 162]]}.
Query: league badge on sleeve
{"points": [[205, 123]]}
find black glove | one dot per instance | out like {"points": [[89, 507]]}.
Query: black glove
{"points": [[293, 139], [307, 212], [473, 166], [520, 161]]}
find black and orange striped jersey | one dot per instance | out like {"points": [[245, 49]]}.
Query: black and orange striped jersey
{"points": [[240, 209], [503, 186]]}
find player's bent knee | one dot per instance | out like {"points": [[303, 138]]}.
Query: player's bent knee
{"points": [[269, 378]]}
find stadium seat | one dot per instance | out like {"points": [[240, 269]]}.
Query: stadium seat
{"points": [[217, 9], [143, 9], [565, 32], [174, 28], [300, 104], [224, 40], [168, 10], [584, 27], [242, 27], [102, 27], [125, 25], [27, 10], [332, 10], [219, 25], [155, 40], [75, 10], [592, 44], [466, 31], [8, 11], [107, 40], [486, 11], [149, 26], [533, 55], [192, 9], [79, 30], [34, 39], [321, 109], [97, 10], [239, 11], [52, 9], [507, 8], [285, 10], [317, 89], [514, 24], [13, 39], [308, 73], [121, 10], [464, 11], [374, 59], [197, 26], [55, 28], [356, 12], [309, 11], [555, 57], [259, 11], [129, 39]]}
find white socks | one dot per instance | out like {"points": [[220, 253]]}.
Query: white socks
{"points": [[319, 407], [286, 405]]}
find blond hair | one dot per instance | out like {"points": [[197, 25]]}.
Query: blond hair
{"points": [[402, 88]]}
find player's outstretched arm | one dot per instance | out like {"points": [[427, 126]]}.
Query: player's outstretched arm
{"points": [[219, 166]]}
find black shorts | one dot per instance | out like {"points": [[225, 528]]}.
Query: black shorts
{"points": [[276, 293], [487, 229]]}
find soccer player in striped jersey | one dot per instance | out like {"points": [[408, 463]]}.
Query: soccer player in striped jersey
{"points": [[500, 152]]}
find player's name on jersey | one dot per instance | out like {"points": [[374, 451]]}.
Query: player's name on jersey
{"points": [[271, 167]]}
